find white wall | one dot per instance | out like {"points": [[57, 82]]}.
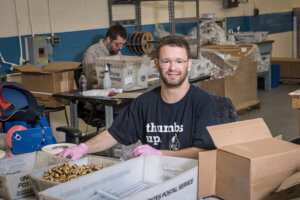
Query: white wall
{"points": [[283, 43], [74, 15], [66, 15]]}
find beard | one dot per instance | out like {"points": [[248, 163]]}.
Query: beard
{"points": [[111, 51], [174, 83]]}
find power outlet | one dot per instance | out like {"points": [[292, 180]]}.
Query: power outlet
{"points": [[55, 40]]}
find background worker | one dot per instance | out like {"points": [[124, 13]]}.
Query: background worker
{"points": [[112, 44], [169, 120]]}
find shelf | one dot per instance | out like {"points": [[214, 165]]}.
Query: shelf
{"points": [[172, 20], [185, 20]]}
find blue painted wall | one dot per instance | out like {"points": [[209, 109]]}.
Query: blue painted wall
{"points": [[73, 44], [273, 23]]}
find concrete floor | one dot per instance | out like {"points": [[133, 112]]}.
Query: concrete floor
{"points": [[276, 110]]}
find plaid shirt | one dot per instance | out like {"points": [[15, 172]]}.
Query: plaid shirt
{"points": [[94, 51]]}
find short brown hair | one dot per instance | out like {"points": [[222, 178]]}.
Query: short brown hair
{"points": [[173, 41], [115, 31]]}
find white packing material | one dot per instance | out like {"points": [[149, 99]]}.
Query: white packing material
{"points": [[95, 93], [264, 63], [101, 93], [200, 67], [149, 177]]}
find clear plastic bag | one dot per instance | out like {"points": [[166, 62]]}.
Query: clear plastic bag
{"points": [[159, 31], [224, 64]]}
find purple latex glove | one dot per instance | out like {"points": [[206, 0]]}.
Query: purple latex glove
{"points": [[75, 152], [144, 150]]}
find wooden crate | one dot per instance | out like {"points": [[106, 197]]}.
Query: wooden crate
{"points": [[289, 67]]}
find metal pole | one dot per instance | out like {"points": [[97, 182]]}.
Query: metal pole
{"points": [[198, 29], [295, 37], [138, 15], [171, 16], [74, 114], [109, 11], [108, 122], [108, 116]]}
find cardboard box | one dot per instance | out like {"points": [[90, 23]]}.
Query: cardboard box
{"points": [[149, 177], [289, 189], [46, 99], [56, 77], [289, 67], [248, 162], [241, 87], [14, 182], [126, 72], [39, 184]]}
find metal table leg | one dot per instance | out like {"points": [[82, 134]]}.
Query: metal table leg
{"points": [[108, 115], [108, 121], [118, 150], [74, 114]]}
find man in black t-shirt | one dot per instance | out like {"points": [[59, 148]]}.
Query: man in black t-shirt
{"points": [[169, 120]]}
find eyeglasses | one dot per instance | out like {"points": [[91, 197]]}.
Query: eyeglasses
{"points": [[118, 44], [166, 63]]}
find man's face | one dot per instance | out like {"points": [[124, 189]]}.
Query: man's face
{"points": [[173, 65], [114, 46]]}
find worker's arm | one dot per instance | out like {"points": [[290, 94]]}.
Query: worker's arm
{"points": [[191, 152], [144, 149], [100, 142]]}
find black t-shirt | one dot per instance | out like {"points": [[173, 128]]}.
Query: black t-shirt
{"points": [[167, 126]]}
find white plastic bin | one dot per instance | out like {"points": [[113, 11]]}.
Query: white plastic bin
{"points": [[126, 72], [148, 177], [39, 184], [14, 182]]}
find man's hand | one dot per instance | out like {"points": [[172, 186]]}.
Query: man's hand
{"points": [[144, 150], [74, 152]]}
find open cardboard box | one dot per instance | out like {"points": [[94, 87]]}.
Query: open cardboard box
{"points": [[248, 162], [288, 189], [55, 77]]}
